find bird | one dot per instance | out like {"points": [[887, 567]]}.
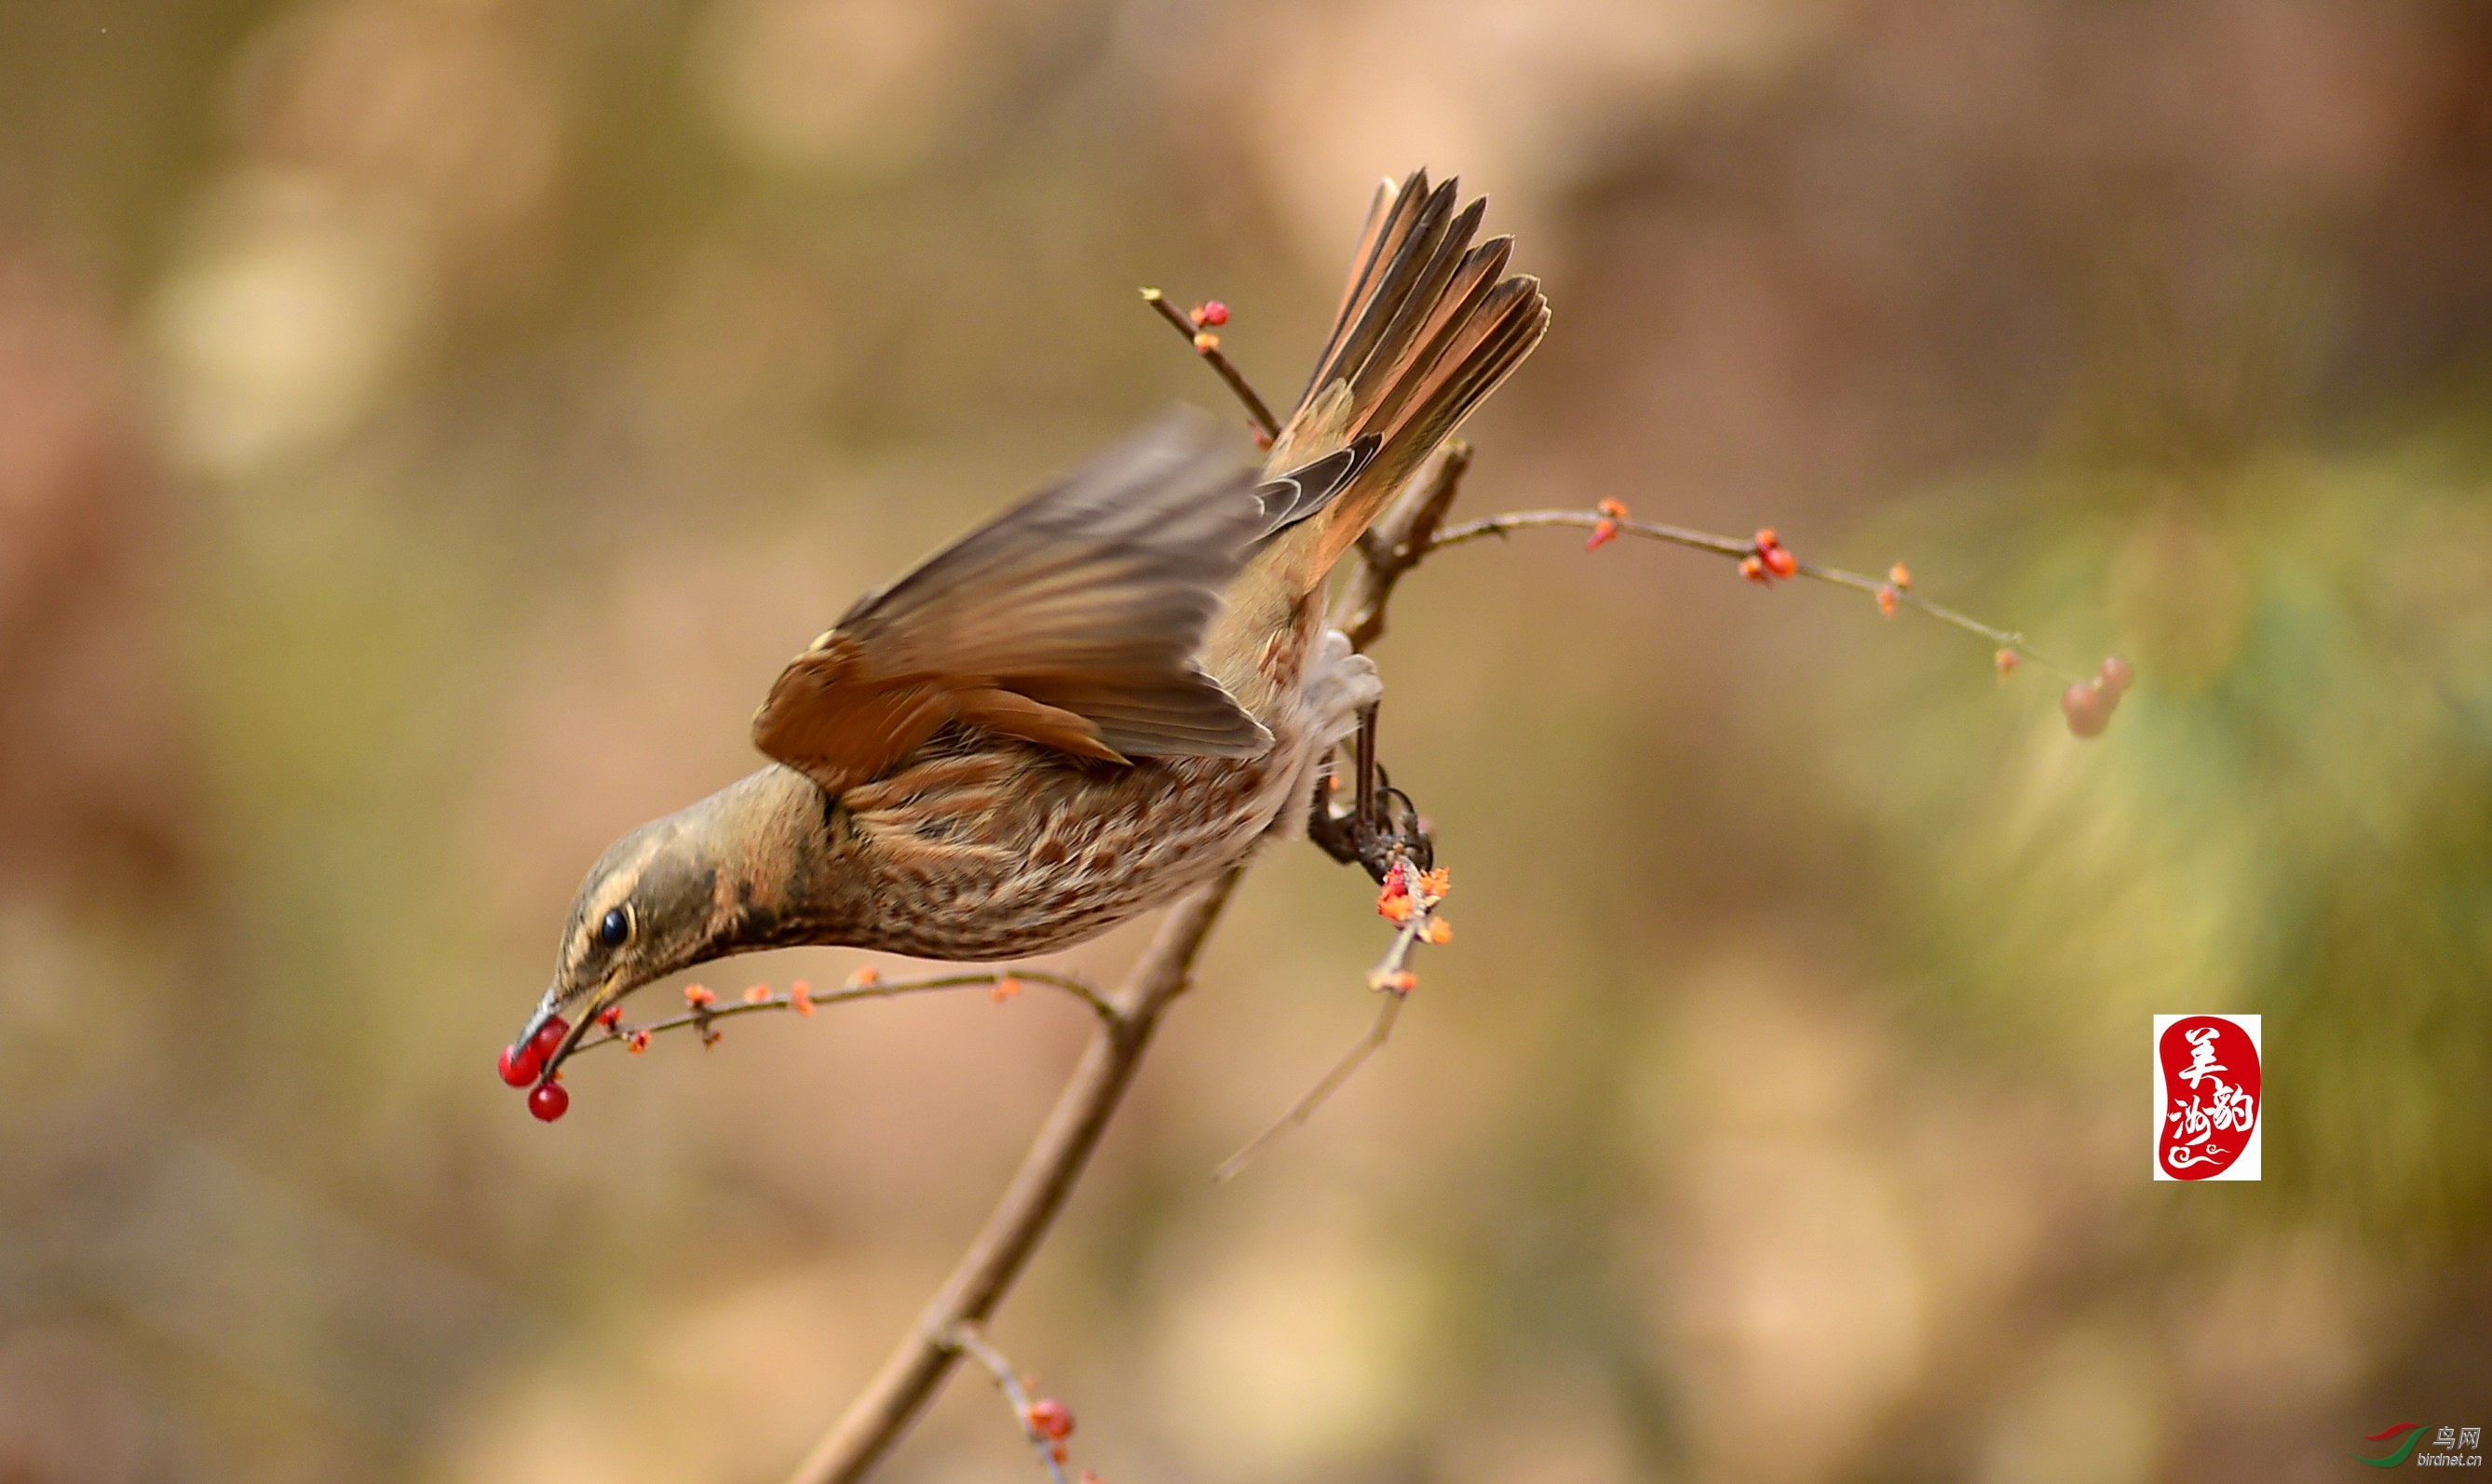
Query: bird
{"points": [[1105, 695]]}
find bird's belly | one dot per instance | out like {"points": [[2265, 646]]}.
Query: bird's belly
{"points": [[1064, 851]]}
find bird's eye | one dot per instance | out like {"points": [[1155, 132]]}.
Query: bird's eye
{"points": [[616, 927]]}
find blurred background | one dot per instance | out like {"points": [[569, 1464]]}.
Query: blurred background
{"points": [[425, 425]]}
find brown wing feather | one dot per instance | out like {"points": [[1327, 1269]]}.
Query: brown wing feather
{"points": [[1071, 620]]}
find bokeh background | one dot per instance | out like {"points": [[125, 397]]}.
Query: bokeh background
{"points": [[427, 425]]}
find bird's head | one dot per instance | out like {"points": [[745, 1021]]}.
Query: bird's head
{"points": [[651, 905]]}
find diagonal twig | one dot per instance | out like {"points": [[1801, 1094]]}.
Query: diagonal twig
{"points": [[916, 1369]]}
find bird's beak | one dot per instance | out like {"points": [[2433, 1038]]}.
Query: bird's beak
{"points": [[609, 990]]}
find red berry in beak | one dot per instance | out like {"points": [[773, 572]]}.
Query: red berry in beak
{"points": [[550, 1102], [549, 1039], [520, 1065]]}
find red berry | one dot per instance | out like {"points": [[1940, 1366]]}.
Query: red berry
{"points": [[520, 1065], [610, 1016], [1766, 539], [548, 1038], [550, 1102], [2117, 675], [1048, 1418], [1780, 562], [2087, 708]]}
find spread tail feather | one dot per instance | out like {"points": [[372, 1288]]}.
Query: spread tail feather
{"points": [[1426, 329]]}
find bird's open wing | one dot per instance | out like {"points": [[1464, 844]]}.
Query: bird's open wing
{"points": [[1070, 621]]}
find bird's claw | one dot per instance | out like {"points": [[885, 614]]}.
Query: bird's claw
{"points": [[1397, 831]]}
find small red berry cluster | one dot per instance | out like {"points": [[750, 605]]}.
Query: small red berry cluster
{"points": [[523, 1064], [1208, 316], [1051, 1421], [1606, 529], [2089, 704], [1770, 560]]}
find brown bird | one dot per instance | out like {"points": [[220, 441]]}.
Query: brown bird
{"points": [[1104, 696]]}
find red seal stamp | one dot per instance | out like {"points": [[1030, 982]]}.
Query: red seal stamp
{"points": [[2207, 1097]]}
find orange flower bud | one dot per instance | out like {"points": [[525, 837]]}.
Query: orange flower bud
{"points": [[1615, 510], [698, 996], [636, 1043], [757, 994], [1005, 989], [2006, 660], [1753, 570], [1899, 577], [865, 978], [1439, 930], [1205, 342], [1603, 533], [1210, 311], [1780, 562], [1886, 600]]}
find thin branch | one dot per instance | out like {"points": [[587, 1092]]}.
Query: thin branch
{"points": [[915, 1371], [1368, 1045], [1207, 345], [970, 1340], [1396, 543], [805, 1000], [1887, 589], [1392, 978]]}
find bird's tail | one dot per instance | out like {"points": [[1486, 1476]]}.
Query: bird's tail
{"points": [[1426, 330]]}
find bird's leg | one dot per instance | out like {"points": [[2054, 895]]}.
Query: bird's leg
{"points": [[1382, 824]]}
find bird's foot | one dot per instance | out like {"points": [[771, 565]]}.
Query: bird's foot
{"points": [[1396, 830]]}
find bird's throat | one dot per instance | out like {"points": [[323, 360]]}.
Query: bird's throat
{"points": [[770, 852]]}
